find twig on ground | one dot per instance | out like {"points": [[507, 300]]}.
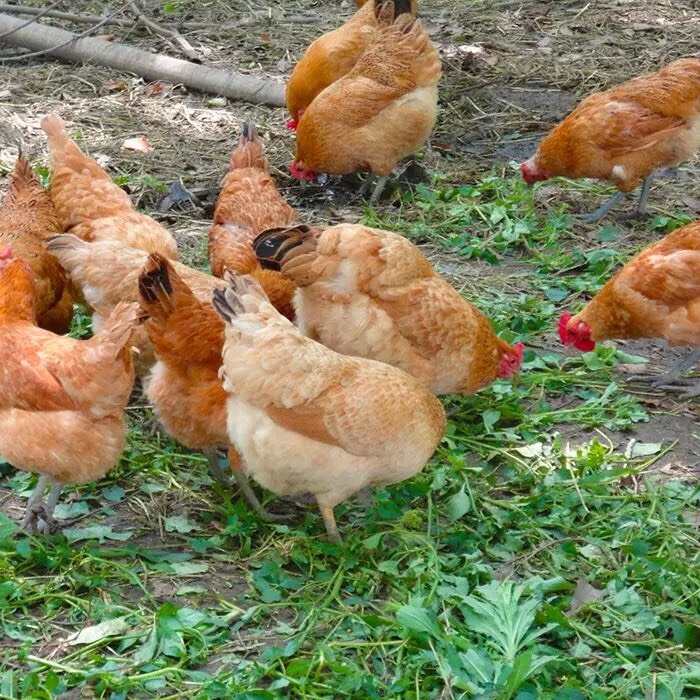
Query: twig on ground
{"points": [[170, 35]]}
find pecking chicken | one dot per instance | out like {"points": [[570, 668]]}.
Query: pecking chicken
{"points": [[624, 134], [305, 419], [106, 273], [184, 386], [381, 111], [61, 400], [27, 217], [90, 205], [329, 58], [249, 203], [373, 294], [655, 295]]}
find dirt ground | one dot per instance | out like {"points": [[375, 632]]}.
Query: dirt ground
{"points": [[532, 62]]}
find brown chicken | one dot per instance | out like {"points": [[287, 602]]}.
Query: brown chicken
{"points": [[106, 273], [381, 111], [655, 295], [373, 294], [329, 58], [249, 203], [27, 217], [305, 419], [624, 134], [90, 205], [184, 386], [61, 400]]}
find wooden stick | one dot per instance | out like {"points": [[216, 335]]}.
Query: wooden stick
{"points": [[169, 34], [65, 45]]}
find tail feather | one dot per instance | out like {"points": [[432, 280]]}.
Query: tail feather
{"points": [[250, 152], [386, 11], [242, 295], [273, 246], [55, 130], [63, 244], [161, 288], [119, 326]]}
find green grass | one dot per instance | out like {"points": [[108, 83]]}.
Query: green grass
{"points": [[456, 584]]}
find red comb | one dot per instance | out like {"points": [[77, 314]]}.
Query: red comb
{"points": [[291, 124], [563, 330], [519, 351], [6, 253]]}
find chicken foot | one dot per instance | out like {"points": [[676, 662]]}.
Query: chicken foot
{"points": [[329, 522], [38, 513], [607, 207], [216, 470], [234, 459], [673, 380]]}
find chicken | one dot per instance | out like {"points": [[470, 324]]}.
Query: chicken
{"points": [[249, 203], [26, 218], [305, 419], [61, 400], [184, 386], [624, 134], [655, 295], [381, 111], [106, 273], [90, 205], [329, 58], [373, 294]]}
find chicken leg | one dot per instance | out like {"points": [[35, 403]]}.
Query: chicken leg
{"points": [[673, 380], [217, 472], [248, 494], [37, 506], [604, 210], [329, 522]]}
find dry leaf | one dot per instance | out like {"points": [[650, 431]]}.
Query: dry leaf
{"points": [[107, 37], [584, 594], [265, 37], [114, 85], [157, 88], [139, 144]]}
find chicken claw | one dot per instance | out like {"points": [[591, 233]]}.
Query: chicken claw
{"points": [[329, 522], [38, 508], [673, 380], [252, 500]]}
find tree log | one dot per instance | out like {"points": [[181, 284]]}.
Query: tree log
{"points": [[62, 44]]}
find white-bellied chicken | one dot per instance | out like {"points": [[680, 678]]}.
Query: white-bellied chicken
{"points": [[623, 134], [61, 400], [378, 113], [372, 293], [90, 205], [329, 58], [249, 203], [655, 295], [27, 217], [305, 419]]}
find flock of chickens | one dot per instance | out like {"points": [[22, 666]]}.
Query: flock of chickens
{"points": [[311, 357]]}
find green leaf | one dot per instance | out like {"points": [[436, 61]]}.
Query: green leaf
{"points": [[94, 633], [68, 511], [643, 449], [181, 524], [114, 493], [186, 568], [608, 233], [417, 620], [7, 527], [96, 532], [490, 418], [459, 504]]}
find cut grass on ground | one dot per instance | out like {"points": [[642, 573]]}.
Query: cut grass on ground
{"points": [[524, 562]]}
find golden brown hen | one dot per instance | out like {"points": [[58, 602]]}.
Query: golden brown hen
{"points": [[249, 203], [61, 400], [90, 205], [329, 58], [625, 133], [381, 111], [372, 293], [305, 419], [27, 217], [655, 295]]}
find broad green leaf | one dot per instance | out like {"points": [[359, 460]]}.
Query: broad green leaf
{"points": [[458, 505], [417, 620], [181, 524], [93, 633], [96, 532]]}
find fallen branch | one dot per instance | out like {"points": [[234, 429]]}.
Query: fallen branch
{"points": [[52, 41], [169, 34]]}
